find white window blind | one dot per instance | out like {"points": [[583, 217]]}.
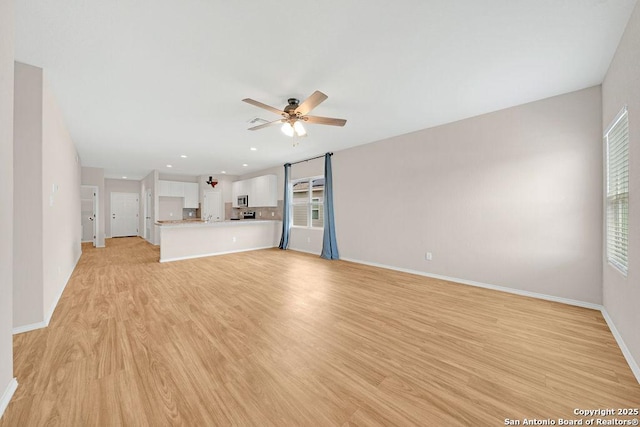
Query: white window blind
{"points": [[617, 144]]}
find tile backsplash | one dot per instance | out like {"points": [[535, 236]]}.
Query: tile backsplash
{"points": [[261, 213], [188, 213]]}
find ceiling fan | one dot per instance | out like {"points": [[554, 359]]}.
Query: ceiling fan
{"points": [[295, 113]]}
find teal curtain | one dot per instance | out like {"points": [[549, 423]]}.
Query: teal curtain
{"points": [[329, 244], [286, 213]]}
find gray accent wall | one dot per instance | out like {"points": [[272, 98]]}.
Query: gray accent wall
{"points": [[621, 87], [6, 194], [511, 198]]}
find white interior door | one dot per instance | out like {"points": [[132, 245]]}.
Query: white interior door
{"points": [[88, 212], [212, 206], [124, 214]]}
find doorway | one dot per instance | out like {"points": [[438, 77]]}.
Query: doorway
{"points": [[124, 214], [212, 206], [89, 213]]}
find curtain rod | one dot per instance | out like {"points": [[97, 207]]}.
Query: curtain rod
{"points": [[306, 160]]}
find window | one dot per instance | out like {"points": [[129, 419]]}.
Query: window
{"points": [[307, 200], [616, 140]]}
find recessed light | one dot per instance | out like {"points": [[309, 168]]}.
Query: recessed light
{"points": [[254, 149], [223, 171], [169, 166], [183, 156], [245, 165], [124, 177]]}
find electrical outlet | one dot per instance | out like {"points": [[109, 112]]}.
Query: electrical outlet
{"points": [[273, 214], [233, 239], [259, 213], [428, 256]]}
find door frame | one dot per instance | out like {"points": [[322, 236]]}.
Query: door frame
{"points": [[148, 194], [96, 216], [112, 214]]}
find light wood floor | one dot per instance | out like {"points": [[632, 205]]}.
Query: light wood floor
{"points": [[275, 338]]}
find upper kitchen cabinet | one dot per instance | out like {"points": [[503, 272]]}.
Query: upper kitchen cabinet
{"points": [[262, 191], [191, 195], [163, 189], [238, 188], [189, 191], [265, 191], [176, 189]]}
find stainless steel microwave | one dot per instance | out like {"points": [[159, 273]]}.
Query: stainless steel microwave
{"points": [[243, 201]]}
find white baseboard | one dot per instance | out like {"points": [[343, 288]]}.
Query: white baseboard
{"points": [[52, 307], [215, 254], [554, 298], [29, 327], [7, 395], [635, 368]]}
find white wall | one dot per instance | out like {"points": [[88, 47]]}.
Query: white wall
{"points": [[511, 198], [47, 228], [95, 176], [60, 195], [121, 186], [170, 208], [7, 383], [621, 87], [28, 203]]}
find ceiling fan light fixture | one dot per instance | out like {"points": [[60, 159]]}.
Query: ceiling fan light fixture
{"points": [[294, 114], [287, 129], [300, 130]]}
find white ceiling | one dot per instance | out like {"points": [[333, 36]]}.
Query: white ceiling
{"points": [[142, 82]]}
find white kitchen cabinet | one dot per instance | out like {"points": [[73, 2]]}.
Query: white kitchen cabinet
{"points": [[262, 191], [189, 191], [163, 189], [191, 195], [176, 189], [254, 196], [266, 191]]}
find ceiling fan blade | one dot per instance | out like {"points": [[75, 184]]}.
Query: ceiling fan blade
{"points": [[311, 102], [324, 120], [265, 106], [264, 125]]}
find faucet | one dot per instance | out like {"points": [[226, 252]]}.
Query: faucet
{"points": [[208, 218]]}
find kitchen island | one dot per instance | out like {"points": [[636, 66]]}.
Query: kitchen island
{"points": [[194, 239]]}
